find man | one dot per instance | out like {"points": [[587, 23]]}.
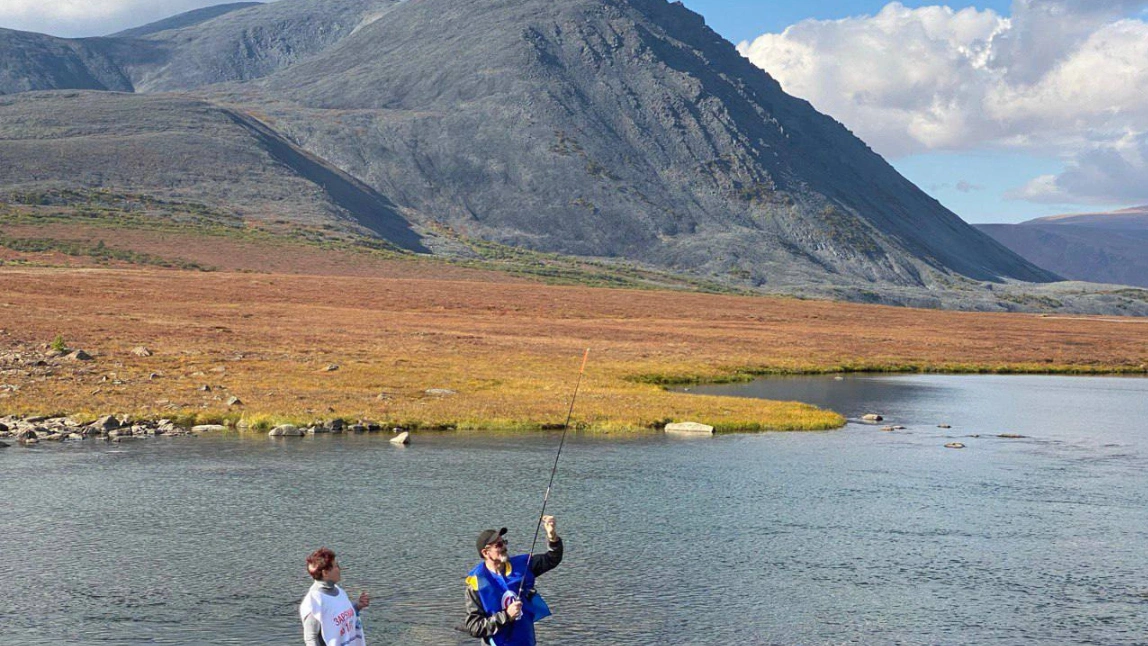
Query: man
{"points": [[494, 611], [329, 617]]}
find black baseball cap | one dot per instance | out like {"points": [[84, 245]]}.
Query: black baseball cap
{"points": [[488, 536]]}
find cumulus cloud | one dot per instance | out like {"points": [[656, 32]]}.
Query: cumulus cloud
{"points": [[1063, 77], [72, 18]]}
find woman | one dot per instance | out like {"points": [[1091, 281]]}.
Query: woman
{"points": [[329, 617]]}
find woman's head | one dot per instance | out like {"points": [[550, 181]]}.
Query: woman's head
{"points": [[321, 565]]}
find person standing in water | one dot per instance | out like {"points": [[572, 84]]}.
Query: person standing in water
{"points": [[494, 611], [329, 617]]}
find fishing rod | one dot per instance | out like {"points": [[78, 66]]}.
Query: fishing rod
{"points": [[554, 470]]}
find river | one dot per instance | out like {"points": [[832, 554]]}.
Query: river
{"points": [[856, 536]]}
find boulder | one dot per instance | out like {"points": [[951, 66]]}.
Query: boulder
{"points": [[286, 430], [141, 351], [402, 438], [943, 426], [954, 445], [888, 428], [208, 428], [4, 445], [3, 427], [107, 423], [1011, 436], [689, 427], [872, 417], [53, 437], [26, 434], [440, 392], [75, 436], [79, 355], [331, 368], [357, 428], [29, 441], [234, 401]]}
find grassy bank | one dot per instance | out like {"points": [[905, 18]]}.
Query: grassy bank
{"points": [[387, 347]]}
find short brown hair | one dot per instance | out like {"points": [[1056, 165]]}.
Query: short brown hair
{"points": [[319, 562]]}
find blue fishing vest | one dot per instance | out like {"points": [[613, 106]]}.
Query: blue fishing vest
{"points": [[497, 592]]}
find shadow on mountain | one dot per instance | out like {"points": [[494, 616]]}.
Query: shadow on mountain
{"points": [[369, 208]]}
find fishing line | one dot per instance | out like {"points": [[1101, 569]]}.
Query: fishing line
{"points": [[554, 470]]}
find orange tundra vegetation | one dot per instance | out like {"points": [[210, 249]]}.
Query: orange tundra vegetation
{"points": [[508, 349]]}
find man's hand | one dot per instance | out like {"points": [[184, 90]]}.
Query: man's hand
{"points": [[364, 600], [514, 610], [551, 528]]}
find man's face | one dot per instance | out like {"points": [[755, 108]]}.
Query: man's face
{"points": [[497, 550], [333, 574]]}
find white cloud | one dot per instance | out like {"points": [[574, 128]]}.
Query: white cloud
{"points": [[1064, 77], [1105, 174]]}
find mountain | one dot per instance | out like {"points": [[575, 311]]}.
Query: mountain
{"points": [[180, 149], [30, 62], [1107, 247], [623, 129], [180, 21], [618, 128]]}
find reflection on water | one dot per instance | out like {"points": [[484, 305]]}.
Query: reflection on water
{"points": [[857, 536]]}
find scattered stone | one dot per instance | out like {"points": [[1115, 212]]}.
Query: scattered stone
{"points": [[141, 351], [3, 428], [943, 426], [53, 437], [872, 417], [285, 430], [898, 427], [357, 428], [954, 445], [208, 428], [154, 375], [336, 425], [4, 445], [331, 368], [205, 388], [383, 396], [30, 441], [689, 427], [402, 438], [25, 435], [440, 392], [75, 436], [79, 355], [1011, 436], [235, 401], [888, 428], [312, 430]]}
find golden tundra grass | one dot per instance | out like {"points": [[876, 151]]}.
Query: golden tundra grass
{"points": [[509, 349]]}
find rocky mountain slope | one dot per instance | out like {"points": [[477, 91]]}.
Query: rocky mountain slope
{"points": [[179, 149], [1095, 247], [622, 129]]}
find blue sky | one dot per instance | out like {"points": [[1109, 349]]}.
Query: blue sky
{"points": [[740, 20], [1003, 110]]}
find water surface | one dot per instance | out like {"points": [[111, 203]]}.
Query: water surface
{"points": [[856, 536]]}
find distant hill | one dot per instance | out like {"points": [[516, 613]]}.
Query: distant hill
{"points": [[183, 20], [618, 129], [1107, 247]]}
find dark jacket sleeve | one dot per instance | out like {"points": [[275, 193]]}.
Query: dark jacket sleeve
{"points": [[542, 563], [478, 623]]}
